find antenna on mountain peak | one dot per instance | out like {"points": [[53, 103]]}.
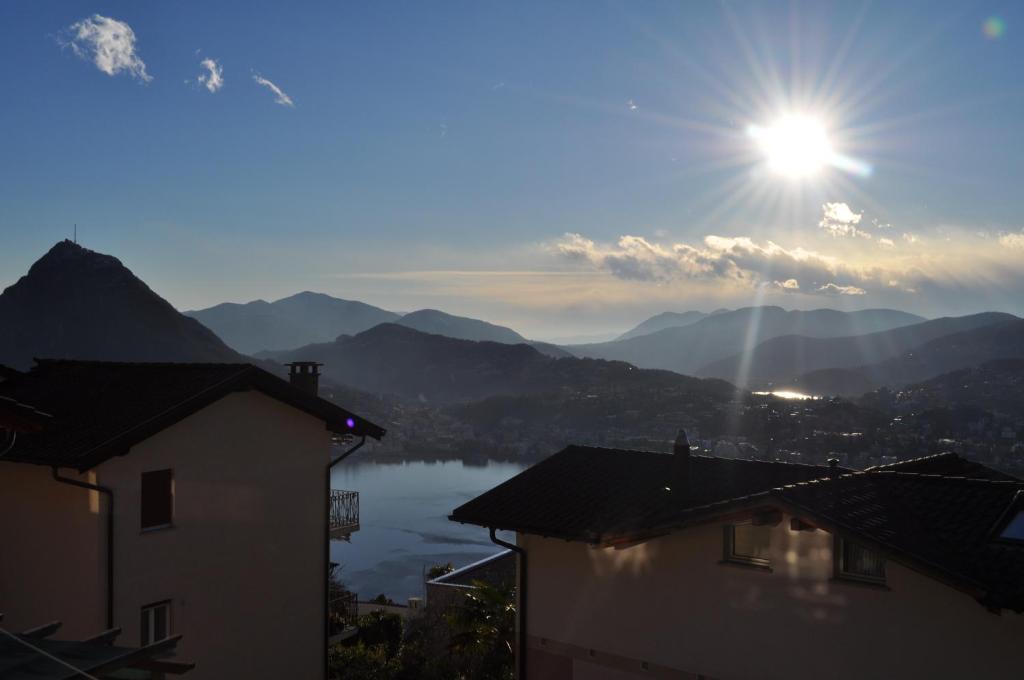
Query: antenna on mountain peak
{"points": [[76, 234]]}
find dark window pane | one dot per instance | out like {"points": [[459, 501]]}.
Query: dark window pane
{"points": [[751, 542], [146, 615], [160, 624], [157, 501], [859, 561]]}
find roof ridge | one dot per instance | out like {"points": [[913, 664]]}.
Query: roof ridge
{"points": [[159, 364], [937, 476], [615, 449], [919, 459]]}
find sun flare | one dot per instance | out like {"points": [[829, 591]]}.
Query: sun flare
{"points": [[795, 146]]}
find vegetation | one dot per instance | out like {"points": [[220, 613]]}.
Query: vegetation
{"points": [[470, 641]]}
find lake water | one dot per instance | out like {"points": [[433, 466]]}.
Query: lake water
{"points": [[404, 526]]}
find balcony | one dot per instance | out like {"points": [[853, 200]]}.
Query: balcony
{"points": [[344, 514]]}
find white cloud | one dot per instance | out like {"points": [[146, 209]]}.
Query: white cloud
{"points": [[838, 220], [833, 289], [213, 79], [886, 243], [910, 238], [279, 95], [108, 43], [1015, 241], [738, 260]]}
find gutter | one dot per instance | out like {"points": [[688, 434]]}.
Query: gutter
{"points": [[110, 535], [521, 596], [327, 545]]}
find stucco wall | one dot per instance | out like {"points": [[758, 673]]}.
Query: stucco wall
{"points": [[671, 603], [243, 563], [52, 552]]}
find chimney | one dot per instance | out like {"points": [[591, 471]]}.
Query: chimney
{"points": [[305, 375], [681, 465]]}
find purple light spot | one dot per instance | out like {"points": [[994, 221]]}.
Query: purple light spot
{"points": [[351, 423]]}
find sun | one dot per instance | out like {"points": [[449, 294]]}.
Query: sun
{"points": [[795, 146]]}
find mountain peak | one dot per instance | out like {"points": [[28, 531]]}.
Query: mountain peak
{"points": [[77, 303]]}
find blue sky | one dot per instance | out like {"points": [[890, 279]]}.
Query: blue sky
{"points": [[488, 158]]}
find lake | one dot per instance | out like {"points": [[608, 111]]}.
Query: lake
{"points": [[404, 526]]}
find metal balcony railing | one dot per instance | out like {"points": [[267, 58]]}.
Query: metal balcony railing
{"points": [[344, 512]]}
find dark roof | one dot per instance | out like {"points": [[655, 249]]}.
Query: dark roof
{"points": [[101, 409], [20, 417], [7, 372], [948, 464], [595, 494], [946, 525]]}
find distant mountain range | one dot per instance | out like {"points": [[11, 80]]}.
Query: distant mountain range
{"points": [[78, 304], [953, 352], [689, 348], [289, 322], [660, 322], [785, 358], [396, 360]]}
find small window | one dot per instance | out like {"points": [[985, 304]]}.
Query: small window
{"points": [[157, 501], [747, 543], [859, 563], [1014, 530], [156, 622]]}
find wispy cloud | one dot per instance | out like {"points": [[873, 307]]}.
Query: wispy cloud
{"points": [[108, 43], [279, 95], [839, 221], [213, 78], [833, 289]]}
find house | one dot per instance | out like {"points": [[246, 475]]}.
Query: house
{"points": [[450, 589], [635, 564], [174, 499]]}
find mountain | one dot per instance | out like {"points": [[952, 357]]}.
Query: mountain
{"points": [[721, 335], [396, 360], [953, 352], [78, 304], [996, 386], [661, 322], [782, 359], [460, 327], [290, 322]]}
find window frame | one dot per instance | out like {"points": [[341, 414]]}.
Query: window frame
{"points": [[143, 527], [162, 605], [729, 553], [842, 573]]}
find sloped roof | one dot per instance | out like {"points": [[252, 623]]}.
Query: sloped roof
{"points": [[946, 525], [101, 409], [948, 464], [593, 494]]}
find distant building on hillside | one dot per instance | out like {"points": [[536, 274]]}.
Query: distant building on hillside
{"points": [[646, 565], [174, 499]]}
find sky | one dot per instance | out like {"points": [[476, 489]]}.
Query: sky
{"points": [[567, 169]]}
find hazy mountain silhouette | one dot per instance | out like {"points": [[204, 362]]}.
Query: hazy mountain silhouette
{"points": [[290, 322], [784, 358], [662, 321], [721, 335], [393, 359], [76, 303], [942, 355], [460, 327]]}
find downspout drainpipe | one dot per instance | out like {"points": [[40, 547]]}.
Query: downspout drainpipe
{"points": [[110, 535], [327, 544], [521, 596]]}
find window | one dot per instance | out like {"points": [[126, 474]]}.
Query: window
{"points": [[858, 563], [157, 499], [156, 622], [747, 543]]}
